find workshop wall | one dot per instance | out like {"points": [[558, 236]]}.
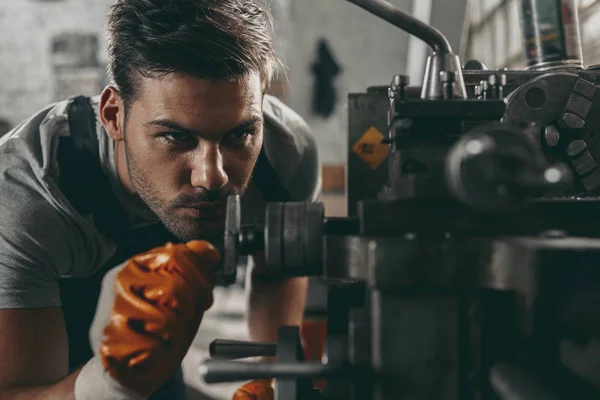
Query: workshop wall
{"points": [[367, 50], [48, 50]]}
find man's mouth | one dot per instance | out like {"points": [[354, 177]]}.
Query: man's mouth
{"points": [[204, 211]]}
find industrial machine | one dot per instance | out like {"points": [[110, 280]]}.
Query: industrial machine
{"points": [[468, 267]]}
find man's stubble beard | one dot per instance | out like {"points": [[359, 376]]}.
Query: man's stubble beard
{"points": [[184, 229]]}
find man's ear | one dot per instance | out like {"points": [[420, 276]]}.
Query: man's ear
{"points": [[112, 113]]}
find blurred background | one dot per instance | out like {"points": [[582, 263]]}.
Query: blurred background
{"points": [[54, 49]]}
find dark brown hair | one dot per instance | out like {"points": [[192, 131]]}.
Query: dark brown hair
{"points": [[209, 39]]}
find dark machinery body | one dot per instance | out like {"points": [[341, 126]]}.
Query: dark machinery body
{"points": [[468, 265]]}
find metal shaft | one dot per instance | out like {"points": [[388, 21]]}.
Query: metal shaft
{"points": [[386, 11]]}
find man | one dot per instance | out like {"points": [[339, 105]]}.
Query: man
{"points": [[89, 185]]}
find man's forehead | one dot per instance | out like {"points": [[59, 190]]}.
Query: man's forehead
{"points": [[194, 102], [183, 89]]}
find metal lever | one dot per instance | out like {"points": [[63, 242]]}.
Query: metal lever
{"points": [[388, 12], [232, 371], [233, 349]]}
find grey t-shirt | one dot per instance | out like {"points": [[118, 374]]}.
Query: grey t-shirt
{"points": [[43, 238]]}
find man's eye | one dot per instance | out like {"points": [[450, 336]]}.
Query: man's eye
{"points": [[238, 138], [176, 137]]}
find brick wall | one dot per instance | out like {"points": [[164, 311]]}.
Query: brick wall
{"points": [[27, 77]]}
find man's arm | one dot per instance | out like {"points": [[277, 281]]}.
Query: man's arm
{"points": [[276, 302], [273, 302], [37, 245], [34, 354]]}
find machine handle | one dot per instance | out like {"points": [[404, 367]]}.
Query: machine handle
{"points": [[233, 349], [232, 371], [388, 12]]}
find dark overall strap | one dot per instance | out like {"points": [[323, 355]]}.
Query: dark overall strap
{"points": [[82, 179], [88, 189]]}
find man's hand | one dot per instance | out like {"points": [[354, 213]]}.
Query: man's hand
{"points": [[161, 296], [256, 390]]}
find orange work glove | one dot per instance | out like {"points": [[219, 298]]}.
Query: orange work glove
{"points": [[256, 390], [160, 298]]}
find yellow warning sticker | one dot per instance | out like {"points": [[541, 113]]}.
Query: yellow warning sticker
{"points": [[370, 149]]}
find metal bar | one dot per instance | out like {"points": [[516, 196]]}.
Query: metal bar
{"points": [[386, 11], [233, 349], [232, 371]]}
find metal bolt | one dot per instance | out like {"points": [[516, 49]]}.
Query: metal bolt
{"points": [[401, 80], [551, 136], [501, 78], [391, 93], [484, 89], [447, 76]]}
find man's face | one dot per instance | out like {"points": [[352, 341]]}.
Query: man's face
{"points": [[189, 143]]}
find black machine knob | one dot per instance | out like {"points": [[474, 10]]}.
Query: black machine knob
{"points": [[474, 65], [496, 166], [233, 349], [294, 238]]}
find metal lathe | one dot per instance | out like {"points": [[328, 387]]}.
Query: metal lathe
{"points": [[469, 264]]}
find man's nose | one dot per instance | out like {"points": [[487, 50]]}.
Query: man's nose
{"points": [[208, 171]]}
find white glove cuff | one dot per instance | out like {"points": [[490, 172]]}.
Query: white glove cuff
{"points": [[94, 383]]}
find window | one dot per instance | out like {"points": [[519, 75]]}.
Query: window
{"points": [[494, 33]]}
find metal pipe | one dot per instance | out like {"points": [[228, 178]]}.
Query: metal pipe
{"points": [[386, 11]]}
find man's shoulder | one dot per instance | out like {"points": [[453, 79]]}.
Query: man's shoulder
{"points": [[37, 216], [288, 140], [28, 164], [34, 140], [288, 123]]}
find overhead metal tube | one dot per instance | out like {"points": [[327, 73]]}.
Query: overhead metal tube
{"points": [[386, 11]]}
